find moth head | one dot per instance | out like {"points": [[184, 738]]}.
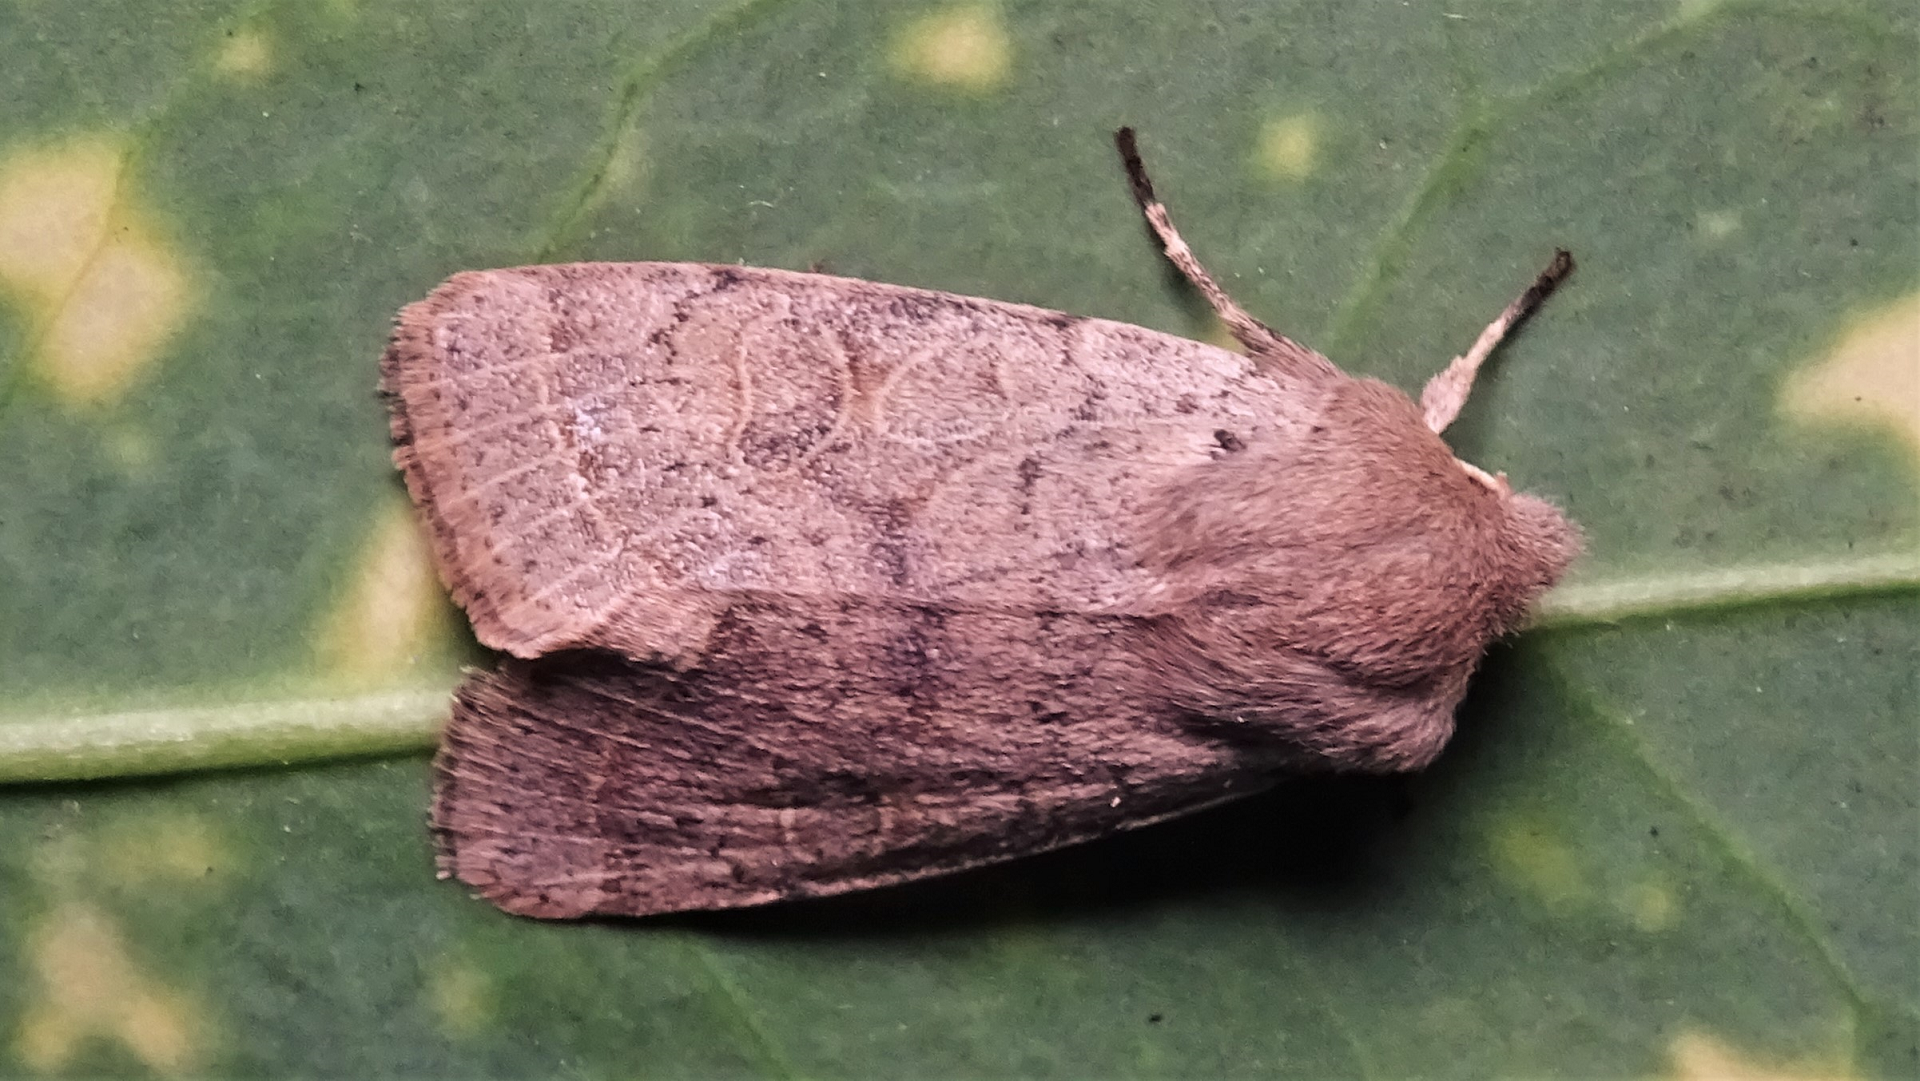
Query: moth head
{"points": [[1538, 543], [1364, 540], [1533, 544]]}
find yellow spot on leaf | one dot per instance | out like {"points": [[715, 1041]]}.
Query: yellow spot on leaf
{"points": [[626, 170], [130, 448], [1649, 905], [161, 848], [1287, 147], [1699, 1057], [1694, 10], [1718, 224], [247, 55], [1531, 855], [1871, 377], [462, 997], [624, 164], [138, 851], [53, 212], [393, 614], [101, 291], [964, 47], [91, 991], [114, 318]]}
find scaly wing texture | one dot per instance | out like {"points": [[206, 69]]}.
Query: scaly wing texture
{"points": [[610, 454], [586, 783]]}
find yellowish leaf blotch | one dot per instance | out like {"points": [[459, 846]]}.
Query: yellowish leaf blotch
{"points": [[624, 164], [90, 990], [53, 213], [461, 996], [246, 55], [1687, 11], [156, 849], [1287, 147], [100, 290], [130, 447], [1872, 377], [964, 47], [1650, 905], [393, 614], [1717, 224], [1531, 855], [1698, 1057], [625, 171]]}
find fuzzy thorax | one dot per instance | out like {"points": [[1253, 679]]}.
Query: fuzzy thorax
{"points": [[1336, 591]]}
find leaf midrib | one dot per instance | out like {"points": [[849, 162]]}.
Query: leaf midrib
{"points": [[307, 724]]}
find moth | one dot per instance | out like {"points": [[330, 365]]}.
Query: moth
{"points": [[812, 584]]}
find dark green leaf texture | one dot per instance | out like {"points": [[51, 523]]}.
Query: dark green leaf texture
{"points": [[1677, 835]]}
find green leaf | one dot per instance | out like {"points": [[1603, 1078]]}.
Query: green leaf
{"points": [[1675, 836]]}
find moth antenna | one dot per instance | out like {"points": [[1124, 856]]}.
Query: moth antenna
{"points": [[1261, 340], [1447, 392]]}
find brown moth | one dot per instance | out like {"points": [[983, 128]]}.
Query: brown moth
{"points": [[820, 584]]}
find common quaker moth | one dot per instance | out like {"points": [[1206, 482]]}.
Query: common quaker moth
{"points": [[813, 584]]}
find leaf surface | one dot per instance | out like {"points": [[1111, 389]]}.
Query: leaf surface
{"points": [[1675, 837]]}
